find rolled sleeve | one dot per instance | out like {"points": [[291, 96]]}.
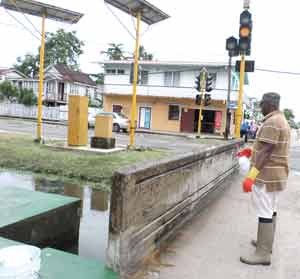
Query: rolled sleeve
{"points": [[269, 134]]}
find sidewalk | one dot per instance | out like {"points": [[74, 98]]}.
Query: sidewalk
{"points": [[211, 245]]}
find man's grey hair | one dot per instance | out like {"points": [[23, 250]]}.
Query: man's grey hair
{"points": [[272, 99]]}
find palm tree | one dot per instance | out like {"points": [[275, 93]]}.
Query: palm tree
{"points": [[144, 55], [114, 52]]}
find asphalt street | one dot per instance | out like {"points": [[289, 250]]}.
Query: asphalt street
{"points": [[54, 131]]}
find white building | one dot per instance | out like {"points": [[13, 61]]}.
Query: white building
{"points": [[59, 82], [166, 94]]}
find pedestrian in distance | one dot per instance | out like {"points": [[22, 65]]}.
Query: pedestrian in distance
{"points": [[268, 176], [245, 130]]}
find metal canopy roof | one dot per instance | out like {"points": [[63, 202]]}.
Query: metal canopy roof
{"points": [[150, 14], [37, 9]]}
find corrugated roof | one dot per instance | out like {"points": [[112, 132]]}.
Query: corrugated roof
{"points": [[74, 76]]}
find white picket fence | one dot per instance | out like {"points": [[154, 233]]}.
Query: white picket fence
{"points": [[49, 113]]}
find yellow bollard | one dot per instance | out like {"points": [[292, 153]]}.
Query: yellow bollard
{"points": [[78, 121], [103, 138], [104, 126]]}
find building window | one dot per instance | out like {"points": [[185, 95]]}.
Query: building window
{"points": [[111, 71], [172, 79], [121, 72], [174, 112], [144, 78]]}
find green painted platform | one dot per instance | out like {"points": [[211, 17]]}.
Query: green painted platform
{"points": [[39, 219], [60, 265], [19, 204]]}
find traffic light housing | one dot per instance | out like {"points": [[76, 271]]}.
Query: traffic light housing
{"points": [[207, 99], [198, 100], [232, 46], [198, 83], [245, 32], [209, 82]]}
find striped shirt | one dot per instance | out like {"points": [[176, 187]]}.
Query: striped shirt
{"points": [[275, 130]]}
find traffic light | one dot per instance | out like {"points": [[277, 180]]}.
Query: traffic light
{"points": [[198, 100], [246, 25], [207, 99], [198, 83], [209, 82], [232, 46]]}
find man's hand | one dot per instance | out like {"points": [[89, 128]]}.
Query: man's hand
{"points": [[250, 180]]}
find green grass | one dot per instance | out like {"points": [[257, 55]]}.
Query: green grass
{"points": [[22, 154]]}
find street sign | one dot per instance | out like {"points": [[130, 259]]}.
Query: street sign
{"points": [[249, 66]]}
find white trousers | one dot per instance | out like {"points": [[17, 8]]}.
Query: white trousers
{"points": [[265, 203]]}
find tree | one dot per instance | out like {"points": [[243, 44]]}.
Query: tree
{"points": [[8, 91], [63, 48], [290, 117], [144, 55], [289, 114], [60, 48], [114, 52], [27, 97], [29, 65], [99, 78]]}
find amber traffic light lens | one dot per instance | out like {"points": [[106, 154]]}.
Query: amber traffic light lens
{"points": [[245, 32]]}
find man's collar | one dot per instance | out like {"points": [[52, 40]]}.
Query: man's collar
{"points": [[271, 114]]}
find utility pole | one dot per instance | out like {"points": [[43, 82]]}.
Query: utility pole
{"points": [[228, 118], [203, 76], [135, 80], [41, 83], [233, 50]]}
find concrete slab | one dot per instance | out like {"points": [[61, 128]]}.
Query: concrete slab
{"points": [[38, 218], [60, 265], [87, 149]]}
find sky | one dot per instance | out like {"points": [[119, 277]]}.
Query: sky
{"points": [[196, 31]]}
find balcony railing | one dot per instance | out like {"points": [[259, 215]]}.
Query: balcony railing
{"points": [[162, 91]]}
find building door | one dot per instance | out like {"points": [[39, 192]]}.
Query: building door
{"points": [[187, 124], [145, 118], [218, 121], [208, 124], [61, 91]]}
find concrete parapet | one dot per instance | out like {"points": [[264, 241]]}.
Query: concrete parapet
{"points": [[151, 202]]}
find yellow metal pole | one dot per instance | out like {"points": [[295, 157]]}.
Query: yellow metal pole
{"points": [[203, 77], [135, 81], [41, 82], [239, 111]]}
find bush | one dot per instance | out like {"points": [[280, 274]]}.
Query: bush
{"points": [[8, 90], [27, 97]]}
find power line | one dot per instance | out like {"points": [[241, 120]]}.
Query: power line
{"points": [[277, 72], [24, 26], [117, 18], [26, 17]]}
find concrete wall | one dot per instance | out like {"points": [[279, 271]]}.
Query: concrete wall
{"points": [[150, 203]]}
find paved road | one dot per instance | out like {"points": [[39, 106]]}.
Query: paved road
{"points": [[52, 131], [210, 246]]}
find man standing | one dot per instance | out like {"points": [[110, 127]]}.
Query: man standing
{"points": [[268, 176]]}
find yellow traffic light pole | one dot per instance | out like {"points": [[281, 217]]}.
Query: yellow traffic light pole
{"points": [[203, 77], [239, 111], [41, 83], [135, 80]]}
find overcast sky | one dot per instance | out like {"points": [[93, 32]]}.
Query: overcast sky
{"points": [[196, 31]]}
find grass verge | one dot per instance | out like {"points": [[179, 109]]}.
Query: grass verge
{"points": [[22, 154]]}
